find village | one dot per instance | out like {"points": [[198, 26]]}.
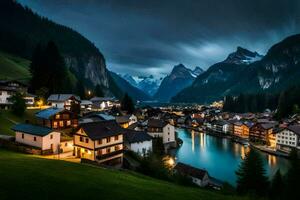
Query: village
{"points": [[96, 131]]}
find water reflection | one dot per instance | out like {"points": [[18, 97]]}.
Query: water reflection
{"points": [[219, 156]]}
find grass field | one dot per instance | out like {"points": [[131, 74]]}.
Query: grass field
{"points": [[28, 177], [8, 119], [13, 67]]}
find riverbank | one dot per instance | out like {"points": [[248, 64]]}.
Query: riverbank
{"points": [[269, 150]]}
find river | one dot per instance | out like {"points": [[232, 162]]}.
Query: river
{"points": [[220, 156]]}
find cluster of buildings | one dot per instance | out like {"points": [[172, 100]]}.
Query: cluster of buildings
{"points": [[98, 136], [256, 128]]}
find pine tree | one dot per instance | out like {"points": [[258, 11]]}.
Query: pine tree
{"points": [[277, 186], [293, 176], [251, 175], [127, 104], [18, 104], [98, 91]]}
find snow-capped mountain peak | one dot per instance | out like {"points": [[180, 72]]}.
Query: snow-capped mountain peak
{"points": [[243, 56]]}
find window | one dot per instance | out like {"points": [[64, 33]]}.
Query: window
{"points": [[66, 144], [22, 135], [86, 140], [34, 138], [51, 136], [57, 116], [54, 124], [117, 147], [107, 140], [81, 139], [100, 141], [108, 150], [116, 137], [69, 123], [61, 123], [65, 116]]}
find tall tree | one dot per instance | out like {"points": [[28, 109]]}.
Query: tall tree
{"points": [[251, 175], [18, 104], [293, 176], [277, 187], [127, 104], [98, 91]]}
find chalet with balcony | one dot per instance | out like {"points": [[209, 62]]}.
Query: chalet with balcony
{"points": [[126, 121], [162, 129], [100, 141], [57, 118], [242, 129], [138, 141], [263, 133], [63, 100]]}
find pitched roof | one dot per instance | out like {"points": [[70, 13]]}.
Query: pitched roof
{"points": [[156, 123], [62, 97], [47, 113], [190, 171], [101, 129], [268, 125], [32, 129], [133, 136], [102, 99], [123, 119], [295, 129], [86, 102]]}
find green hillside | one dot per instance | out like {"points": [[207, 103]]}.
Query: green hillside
{"points": [[28, 177], [13, 67]]}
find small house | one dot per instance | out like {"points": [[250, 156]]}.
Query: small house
{"points": [[63, 100], [138, 141]]}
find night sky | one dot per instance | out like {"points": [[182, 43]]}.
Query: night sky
{"points": [[149, 37]]}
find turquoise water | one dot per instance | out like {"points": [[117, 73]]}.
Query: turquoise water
{"points": [[219, 156]]}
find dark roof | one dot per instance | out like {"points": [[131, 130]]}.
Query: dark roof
{"points": [[156, 123], [94, 99], [32, 129], [295, 129], [62, 97], [133, 136], [123, 119], [101, 129], [268, 125], [190, 171], [47, 113]]}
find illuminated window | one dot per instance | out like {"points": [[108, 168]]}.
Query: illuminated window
{"points": [[61, 123], [68, 122], [54, 124], [57, 116]]}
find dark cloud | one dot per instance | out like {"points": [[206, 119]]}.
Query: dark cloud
{"points": [[144, 37]]}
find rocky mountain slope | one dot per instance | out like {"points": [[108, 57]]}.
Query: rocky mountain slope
{"points": [[21, 30], [218, 80], [179, 78], [132, 91]]}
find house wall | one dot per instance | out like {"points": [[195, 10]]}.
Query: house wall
{"points": [[141, 147], [4, 96], [286, 138], [86, 142], [67, 146], [58, 104], [168, 133], [42, 142], [112, 141]]}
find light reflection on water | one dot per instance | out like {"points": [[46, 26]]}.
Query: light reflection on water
{"points": [[219, 156]]}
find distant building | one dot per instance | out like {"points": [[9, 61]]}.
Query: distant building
{"points": [[57, 118], [288, 138], [263, 133], [63, 100], [9, 88], [199, 177], [126, 121], [138, 141], [37, 136], [86, 105], [104, 103], [100, 141], [159, 128], [242, 129]]}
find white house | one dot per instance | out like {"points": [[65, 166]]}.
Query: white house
{"points": [[138, 141], [103, 103], [86, 105], [37, 136], [288, 138], [63, 100], [199, 177], [160, 128]]}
